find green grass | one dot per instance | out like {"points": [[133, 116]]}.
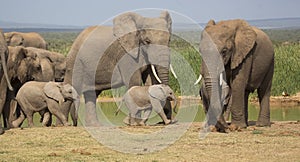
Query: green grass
{"points": [[287, 59]]}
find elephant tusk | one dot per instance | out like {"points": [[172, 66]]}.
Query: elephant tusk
{"points": [[172, 71], [155, 74], [221, 79], [198, 80]]}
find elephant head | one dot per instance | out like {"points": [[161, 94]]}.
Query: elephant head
{"points": [[162, 93], [53, 64], [60, 92], [14, 39], [146, 36], [233, 39], [23, 65]]}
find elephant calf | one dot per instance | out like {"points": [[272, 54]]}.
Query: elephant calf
{"points": [[144, 98], [38, 96]]}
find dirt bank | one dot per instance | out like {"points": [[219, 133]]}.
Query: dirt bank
{"points": [[282, 101]]}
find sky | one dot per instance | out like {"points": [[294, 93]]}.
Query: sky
{"points": [[93, 12]]}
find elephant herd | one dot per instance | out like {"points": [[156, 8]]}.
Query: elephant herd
{"points": [[236, 60]]}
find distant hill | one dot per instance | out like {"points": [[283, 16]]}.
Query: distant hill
{"points": [[282, 23], [279, 23], [7, 26]]}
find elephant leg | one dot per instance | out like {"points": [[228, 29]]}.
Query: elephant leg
{"points": [[238, 109], [227, 110], [126, 120], [66, 108], [74, 113], [47, 119], [90, 109], [55, 110], [264, 93], [29, 116], [147, 114], [168, 109], [138, 118], [246, 106], [16, 123], [221, 125]]}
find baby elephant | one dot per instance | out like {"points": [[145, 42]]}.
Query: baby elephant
{"points": [[144, 98], [39, 96]]}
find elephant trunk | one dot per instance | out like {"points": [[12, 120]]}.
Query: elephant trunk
{"points": [[212, 67], [163, 67], [4, 65]]}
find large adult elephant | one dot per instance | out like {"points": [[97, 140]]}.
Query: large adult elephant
{"points": [[4, 79], [104, 57], [31, 39], [53, 64], [247, 55], [23, 65]]}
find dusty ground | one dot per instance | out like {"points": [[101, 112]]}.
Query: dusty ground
{"points": [[280, 142]]}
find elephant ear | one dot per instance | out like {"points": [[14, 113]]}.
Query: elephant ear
{"points": [[165, 15], [17, 39], [52, 90], [126, 31], [158, 92], [210, 23], [245, 38], [22, 61]]}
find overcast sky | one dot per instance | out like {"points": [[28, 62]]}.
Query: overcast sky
{"points": [[92, 12]]}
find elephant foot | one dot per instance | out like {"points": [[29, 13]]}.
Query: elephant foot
{"points": [[1, 131], [263, 124], [14, 124], [173, 121], [67, 124], [236, 127], [94, 123], [222, 128]]}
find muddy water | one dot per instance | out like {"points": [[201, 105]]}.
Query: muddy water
{"points": [[187, 113], [196, 112]]}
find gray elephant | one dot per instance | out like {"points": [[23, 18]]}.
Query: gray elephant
{"points": [[247, 56], [105, 57], [25, 39], [146, 98], [53, 64], [44, 95], [4, 78]]}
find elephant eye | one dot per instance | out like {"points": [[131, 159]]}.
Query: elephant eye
{"points": [[147, 41], [224, 51], [39, 68]]}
